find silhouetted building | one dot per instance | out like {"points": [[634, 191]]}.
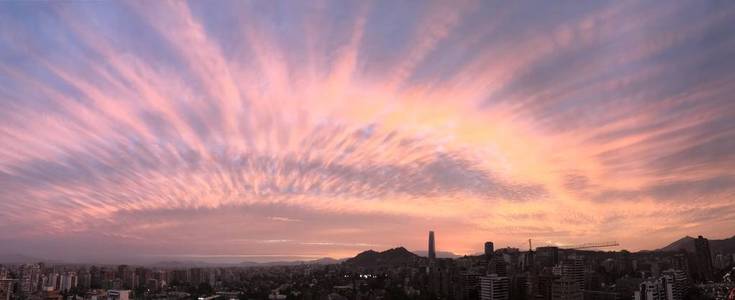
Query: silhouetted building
{"points": [[433, 270], [704, 258], [571, 279], [497, 265], [432, 247], [85, 279], [572, 268], [565, 288], [519, 286], [547, 256], [511, 256], [489, 249], [470, 286], [545, 286]]}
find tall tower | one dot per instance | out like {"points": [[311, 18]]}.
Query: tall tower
{"points": [[704, 258], [433, 268], [432, 247]]}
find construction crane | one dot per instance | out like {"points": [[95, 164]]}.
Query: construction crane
{"points": [[591, 245], [582, 246]]}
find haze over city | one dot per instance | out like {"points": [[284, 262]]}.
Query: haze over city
{"points": [[228, 131]]}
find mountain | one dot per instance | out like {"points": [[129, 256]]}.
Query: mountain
{"points": [[439, 254], [202, 264], [17, 259], [686, 243], [320, 261], [181, 264], [327, 261], [716, 246], [390, 257]]}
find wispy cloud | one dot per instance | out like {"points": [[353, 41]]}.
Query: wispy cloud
{"points": [[305, 125]]}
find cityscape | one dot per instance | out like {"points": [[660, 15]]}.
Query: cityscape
{"points": [[582, 272], [367, 149]]}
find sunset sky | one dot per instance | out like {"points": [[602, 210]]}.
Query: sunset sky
{"points": [[284, 130]]}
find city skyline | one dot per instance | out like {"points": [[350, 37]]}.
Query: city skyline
{"points": [[271, 130], [698, 269]]}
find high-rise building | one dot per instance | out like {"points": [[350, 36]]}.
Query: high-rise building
{"points": [[704, 258], [85, 279], [511, 256], [68, 281], [489, 249], [519, 286], [572, 268], [432, 247], [494, 287], [547, 256], [470, 285], [571, 279], [51, 282], [433, 270], [197, 274], [544, 287], [680, 283], [6, 288], [565, 288], [497, 265], [655, 289], [29, 277]]}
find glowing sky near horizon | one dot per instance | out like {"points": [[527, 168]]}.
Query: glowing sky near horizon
{"points": [[272, 130]]}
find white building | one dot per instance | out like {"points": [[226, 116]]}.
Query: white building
{"points": [[494, 287], [68, 281], [118, 295]]}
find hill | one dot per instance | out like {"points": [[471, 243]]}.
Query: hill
{"points": [[202, 264], [390, 257], [17, 259], [439, 254], [716, 246]]}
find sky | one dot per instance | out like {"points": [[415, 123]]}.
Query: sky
{"points": [[289, 130]]}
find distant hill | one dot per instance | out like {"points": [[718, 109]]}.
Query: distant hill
{"points": [[181, 264], [390, 257], [17, 259], [202, 264], [439, 254], [716, 246], [321, 261]]}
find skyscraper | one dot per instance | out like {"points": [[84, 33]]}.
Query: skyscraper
{"points": [[704, 258], [432, 248], [489, 249], [433, 268]]}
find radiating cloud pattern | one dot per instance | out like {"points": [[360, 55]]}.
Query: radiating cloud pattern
{"points": [[249, 130]]}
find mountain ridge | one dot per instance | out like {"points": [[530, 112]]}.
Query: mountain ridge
{"points": [[686, 243], [390, 257]]}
